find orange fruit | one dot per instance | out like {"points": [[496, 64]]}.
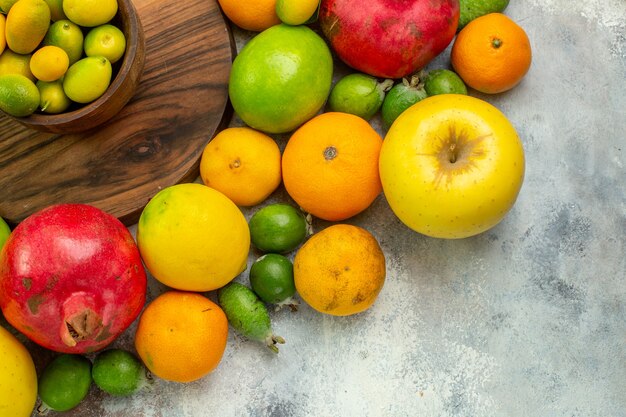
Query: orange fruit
{"points": [[243, 164], [330, 166], [181, 336], [254, 15], [340, 270], [491, 54]]}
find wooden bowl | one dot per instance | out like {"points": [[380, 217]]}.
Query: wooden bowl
{"points": [[125, 79]]}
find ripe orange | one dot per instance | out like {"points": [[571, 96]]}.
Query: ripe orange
{"points": [[492, 53], [243, 164], [340, 270], [181, 336], [330, 166], [254, 15]]}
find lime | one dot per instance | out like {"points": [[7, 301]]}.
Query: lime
{"points": [[19, 96], [297, 12], [358, 94], [12, 63], [271, 278], [56, 10], [87, 79], [443, 81], [118, 372], [107, 41], [471, 9], [52, 98], [67, 36], [5, 231], [281, 78], [277, 228], [65, 382], [90, 13], [400, 97]]}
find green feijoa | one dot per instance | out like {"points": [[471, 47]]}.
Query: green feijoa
{"points": [[401, 96], [118, 372], [358, 94], [278, 228], [444, 81], [65, 382], [248, 314], [271, 278]]}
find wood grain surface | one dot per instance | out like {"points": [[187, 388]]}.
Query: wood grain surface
{"points": [[154, 142]]}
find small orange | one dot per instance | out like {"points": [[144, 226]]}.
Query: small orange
{"points": [[243, 164], [340, 270], [181, 336], [492, 53], [330, 166], [254, 15]]}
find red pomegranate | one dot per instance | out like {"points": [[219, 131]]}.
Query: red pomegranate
{"points": [[389, 38], [71, 278]]}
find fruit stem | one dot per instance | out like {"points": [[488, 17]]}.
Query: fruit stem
{"points": [[496, 42], [385, 85], [330, 153], [272, 340]]}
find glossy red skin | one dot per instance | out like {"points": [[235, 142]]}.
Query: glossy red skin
{"points": [[389, 38], [63, 259]]}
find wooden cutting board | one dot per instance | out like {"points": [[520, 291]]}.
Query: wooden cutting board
{"points": [[157, 139]]}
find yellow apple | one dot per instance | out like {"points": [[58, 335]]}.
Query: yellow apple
{"points": [[451, 166]]}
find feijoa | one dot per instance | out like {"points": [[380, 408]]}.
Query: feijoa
{"points": [[248, 314], [118, 372], [358, 94], [401, 96], [65, 382]]}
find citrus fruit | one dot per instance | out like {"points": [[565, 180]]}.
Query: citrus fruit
{"points": [[19, 96], [18, 377], [181, 336], [49, 63], [5, 231], [52, 98], [56, 10], [3, 40], [491, 54], [5, 5], [451, 166], [90, 13], [242, 163], [65, 382], [358, 94], [26, 25], [281, 78], [296, 12], [277, 228], [118, 372], [254, 15], [67, 36], [340, 270], [471, 9], [401, 96], [87, 79], [247, 314], [271, 278], [107, 41], [330, 166], [193, 238], [12, 63], [443, 81]]}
